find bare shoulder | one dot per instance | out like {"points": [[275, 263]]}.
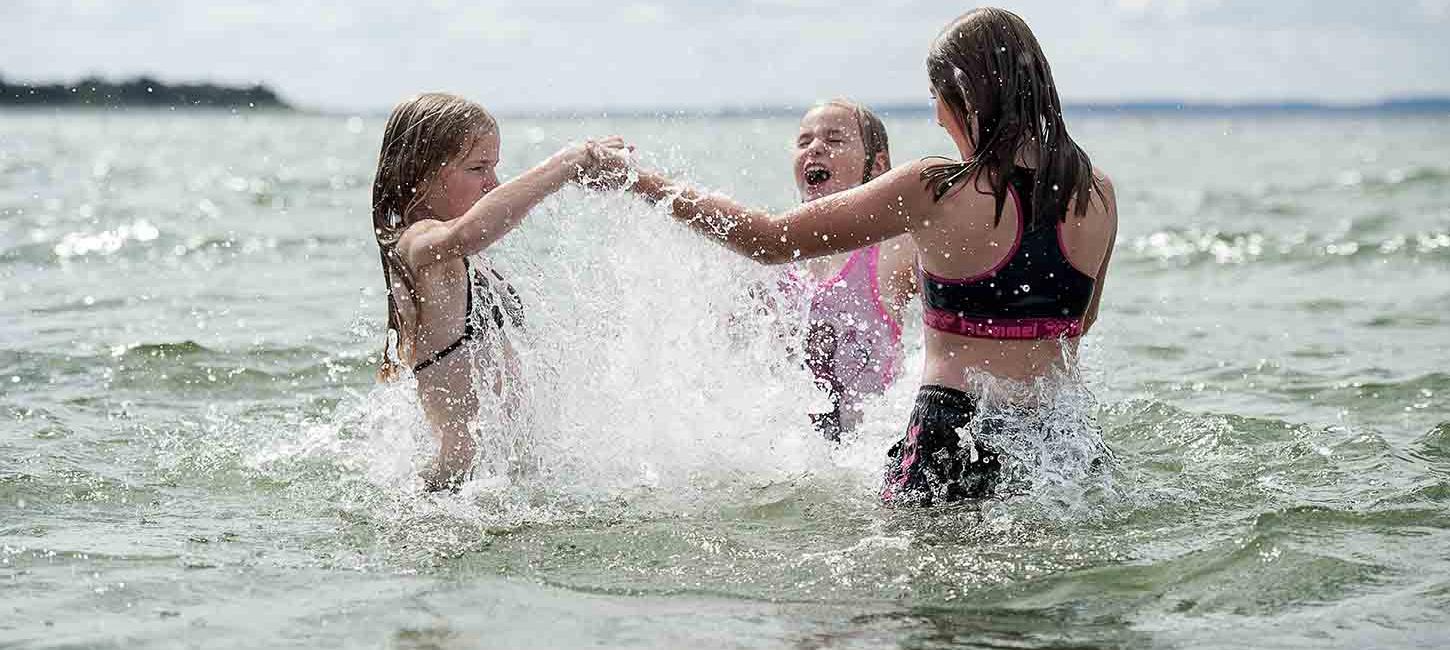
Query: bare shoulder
{"points": [[905, 179], [1110, 204], [1109, 192], [418, 239], [968, 196], [420, 228]]}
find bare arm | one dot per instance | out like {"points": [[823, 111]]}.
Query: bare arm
{"points": [[493, 216], [1110, 197], [874, 212], [898, 271]]}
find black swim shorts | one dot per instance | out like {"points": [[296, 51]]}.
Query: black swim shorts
{"points": [[933, 464]]}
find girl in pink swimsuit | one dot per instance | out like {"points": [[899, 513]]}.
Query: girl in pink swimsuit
{"points": [[853, 343]]}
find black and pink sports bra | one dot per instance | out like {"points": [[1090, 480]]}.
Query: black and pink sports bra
{"points": [[1034, 293]]}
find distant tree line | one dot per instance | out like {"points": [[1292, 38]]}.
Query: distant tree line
{"points": [[141, 91]]}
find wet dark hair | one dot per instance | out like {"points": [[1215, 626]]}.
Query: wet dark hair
{"points": [[424, 133], [873, 133], [990, 71]]}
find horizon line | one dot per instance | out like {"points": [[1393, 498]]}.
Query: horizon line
{"points": [[1399, 104], [1432, 102]]}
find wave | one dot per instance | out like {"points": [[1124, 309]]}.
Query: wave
{"points": [[1421, 393], [1395, 178], [1287, 199], [1194, 246], [164, 350], [142, 240], [1434, 446], [186, 369]]}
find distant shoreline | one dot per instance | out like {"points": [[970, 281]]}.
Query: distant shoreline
{"points": [[147, 93], [140, 92]]}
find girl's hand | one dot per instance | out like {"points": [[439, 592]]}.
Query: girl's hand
{"points": [[607, 164]]}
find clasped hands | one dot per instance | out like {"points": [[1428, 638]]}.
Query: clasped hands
{"points": [[604, 164]]}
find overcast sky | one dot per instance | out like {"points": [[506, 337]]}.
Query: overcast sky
{"points": [[588, 54]]}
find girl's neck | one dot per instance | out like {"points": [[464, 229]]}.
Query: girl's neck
{"points": [[1026, 156]]}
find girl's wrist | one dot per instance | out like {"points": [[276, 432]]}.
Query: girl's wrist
{"points": [[567, 163], [651, 186]]}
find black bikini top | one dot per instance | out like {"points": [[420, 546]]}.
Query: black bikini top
{"points": [[499, 299], [1034, 293]]}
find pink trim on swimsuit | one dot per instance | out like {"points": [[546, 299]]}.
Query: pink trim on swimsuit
{"points": [[845, 268], [875, 262], [903, 471], [1062, 246], [1002, 328], [1016, 245]]}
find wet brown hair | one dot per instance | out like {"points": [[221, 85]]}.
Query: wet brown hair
{"points": [[873, 133], [424, 133], [989, 69]]}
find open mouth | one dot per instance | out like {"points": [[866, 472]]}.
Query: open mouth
{"points": [[815, 174]]}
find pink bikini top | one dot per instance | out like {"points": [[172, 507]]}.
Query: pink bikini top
{"points": [[853, 343]]}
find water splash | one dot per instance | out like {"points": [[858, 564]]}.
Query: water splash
{"points": [[657, 376]]}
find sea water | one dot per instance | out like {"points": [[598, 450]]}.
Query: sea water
{"points": [[195, 451]]}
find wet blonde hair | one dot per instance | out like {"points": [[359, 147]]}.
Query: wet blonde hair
{"points": [[424, 133], [873, 133]]}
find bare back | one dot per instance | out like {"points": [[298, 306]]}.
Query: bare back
{"points": [[959, 239], [449, 355]]}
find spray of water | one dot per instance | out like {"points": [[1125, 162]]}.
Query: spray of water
{"points": [[656, 374]]}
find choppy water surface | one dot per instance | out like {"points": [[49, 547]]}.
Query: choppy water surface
{"points": [[195, 452]]}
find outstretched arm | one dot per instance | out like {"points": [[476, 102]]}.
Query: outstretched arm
{"points": [[493, 216], [874, 212]]}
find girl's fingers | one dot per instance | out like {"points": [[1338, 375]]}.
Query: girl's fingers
{"points": [[614, 142]]}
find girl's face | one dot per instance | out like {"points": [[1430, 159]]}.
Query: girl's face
{"points": [[829, 154], [465, 179]]}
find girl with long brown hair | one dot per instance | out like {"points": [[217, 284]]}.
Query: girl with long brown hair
{"points": [[1013, 244], [437, 204]]}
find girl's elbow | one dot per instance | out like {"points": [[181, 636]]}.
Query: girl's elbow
{"points": [[772, 256]]}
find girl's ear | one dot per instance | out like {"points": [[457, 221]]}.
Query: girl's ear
{"points": [[880, 164]]}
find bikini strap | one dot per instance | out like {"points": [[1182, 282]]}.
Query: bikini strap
{"points": [[469, 330]]}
